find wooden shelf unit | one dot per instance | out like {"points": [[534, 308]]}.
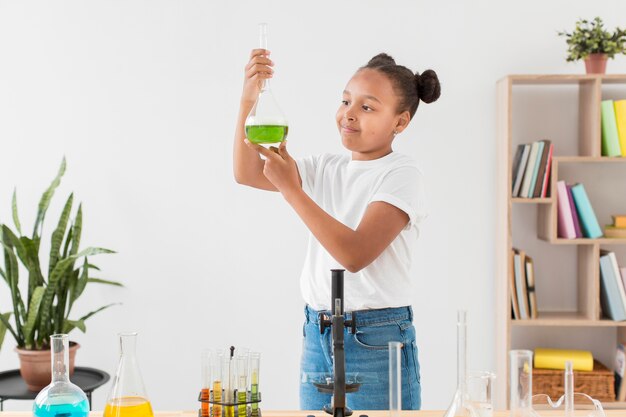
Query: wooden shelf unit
{"points": [[587, 250]]}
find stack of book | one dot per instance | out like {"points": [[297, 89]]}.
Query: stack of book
{"points": [[576, 218], [612, 287], [522, 283], [531, 169], [618, 228], [613, 128]]}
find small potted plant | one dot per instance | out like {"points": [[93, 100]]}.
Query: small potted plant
{"points": [[591, 42], [43, 302]]}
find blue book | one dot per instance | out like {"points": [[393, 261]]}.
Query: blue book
{"points": [[610, 298], [586, 215], [533, 181]]}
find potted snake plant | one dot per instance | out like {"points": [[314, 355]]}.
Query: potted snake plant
{"points": [[43, 300], [594, 44]]}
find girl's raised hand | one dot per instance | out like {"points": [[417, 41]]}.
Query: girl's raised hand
{"points": [[280, 168], [258, 69]]}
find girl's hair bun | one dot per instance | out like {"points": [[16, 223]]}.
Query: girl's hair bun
{"points": [[380, 60], [428, 87]]}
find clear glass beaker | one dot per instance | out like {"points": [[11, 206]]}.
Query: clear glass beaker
{"points": [[61, 397], [395, 378], [128, 397], [480, 392], [521, 383], [266, 123]]}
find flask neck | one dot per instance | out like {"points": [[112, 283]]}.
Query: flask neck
{"points": [[128, 344], [461, 350], [59, 344]]}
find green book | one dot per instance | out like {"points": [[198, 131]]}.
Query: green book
{"points": [[610, 141]]}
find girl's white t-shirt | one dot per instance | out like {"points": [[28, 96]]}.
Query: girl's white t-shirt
{"points": [[344, 188]]}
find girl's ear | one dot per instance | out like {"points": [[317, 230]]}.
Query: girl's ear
{"points": [[403, 121]]}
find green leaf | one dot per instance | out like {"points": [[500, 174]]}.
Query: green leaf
{"points": [[76, 230], [44, 202], [72, 324], [10, 260], [104, 281], [33, 315], [86, 316], [16, 219], [4, 326], [59, 233]]}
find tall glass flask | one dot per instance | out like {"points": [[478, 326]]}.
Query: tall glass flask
{"points": [[460, 405], [128, 397], [521, 384], [61, 397], [266, 123]]}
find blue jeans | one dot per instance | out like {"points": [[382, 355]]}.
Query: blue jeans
{"points": [[367, 353]]}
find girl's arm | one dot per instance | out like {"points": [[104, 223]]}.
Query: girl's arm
{"points": [[354, 249], [247, 164]]}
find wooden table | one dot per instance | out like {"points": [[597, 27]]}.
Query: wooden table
{"points": [[287, 413]]}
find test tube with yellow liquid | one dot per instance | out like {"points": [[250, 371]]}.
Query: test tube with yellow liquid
{"points": [[228, 384], [205, 393], [255, 364], [266, 123], [128, 397], [217, 384], [242, 385]]}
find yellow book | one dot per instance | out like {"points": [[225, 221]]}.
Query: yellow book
{"points": [[620, 121], [582, 360], [619, 220]]}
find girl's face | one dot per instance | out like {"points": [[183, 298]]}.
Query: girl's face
{"points": [[367, 116]]}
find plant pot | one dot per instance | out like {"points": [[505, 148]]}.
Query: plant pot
{"points": [[596, 63], [35, 366]]}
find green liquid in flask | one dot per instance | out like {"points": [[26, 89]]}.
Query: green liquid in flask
{"points": [[266, 133]]}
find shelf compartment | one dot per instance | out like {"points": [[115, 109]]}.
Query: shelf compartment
{"points": [[565, 319]]}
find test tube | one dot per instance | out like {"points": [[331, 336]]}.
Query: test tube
{"points": [[205, 375], [395, 378], [569, 389], [242, 384], [521, 372], [228, 385], [255, 364], [217, 384]]}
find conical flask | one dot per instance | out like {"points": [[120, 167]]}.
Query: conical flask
{"points": [[128, 397], [461, 406], [61, 397], [266, 123]]}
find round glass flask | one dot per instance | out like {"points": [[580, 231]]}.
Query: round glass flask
{"points": [[61, 397], [266, 123]]}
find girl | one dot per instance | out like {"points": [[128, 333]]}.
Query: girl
{"points": [[363, 210]]}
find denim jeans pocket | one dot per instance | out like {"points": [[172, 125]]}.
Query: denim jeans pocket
{"points": [[377, 337]]}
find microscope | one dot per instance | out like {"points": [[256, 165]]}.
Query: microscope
{"points": [[338, 387]]}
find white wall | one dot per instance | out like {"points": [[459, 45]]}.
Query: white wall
{"points": [[141, 97]]}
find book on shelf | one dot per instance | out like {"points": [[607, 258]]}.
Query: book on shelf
{"points": [[588, 220], [615, 232], [541, 168], [610, 139], [533, 178], [521, 290], [512, 286], [529, 170], [545, 190], [565, 218], [623, 274], [619, 368], [582, 360], [612, 294], [619, 220], [530, 286], [575, 219], [620, 121], [518, 171]]}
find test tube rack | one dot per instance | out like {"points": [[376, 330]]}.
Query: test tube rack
{"points": [[226, 407]]}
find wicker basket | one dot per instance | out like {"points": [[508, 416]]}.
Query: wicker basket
{"points": [[598, 383]]}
